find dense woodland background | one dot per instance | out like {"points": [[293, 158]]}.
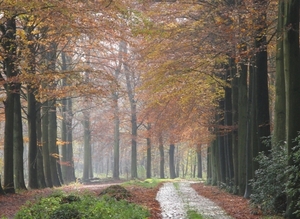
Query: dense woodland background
{"points": [[141, 89]]}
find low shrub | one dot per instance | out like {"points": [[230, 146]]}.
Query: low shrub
{"points": [[86, 206], [268, 186], [293, 183]]}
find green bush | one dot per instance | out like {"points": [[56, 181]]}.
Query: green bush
{"points": [[268, 187], [293, 183], [87, 206]]}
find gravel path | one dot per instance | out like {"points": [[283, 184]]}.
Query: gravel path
{"points": [[176, 198]]}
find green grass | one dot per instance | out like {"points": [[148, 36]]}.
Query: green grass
{"points": [[61, 205], [192, 214], [176, 185], [148, 183]]}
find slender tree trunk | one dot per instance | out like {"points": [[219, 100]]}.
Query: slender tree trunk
{"points": [[53, 149], [221, 145], [87, 148], [242, 129], [1, 189], [40, 164], [292, 81], [228, 135], [172, 161], [18, 141], [279, 135], [45, 144], [8, 43], [234, 100], [32, 135], [130, 84], [70, 172], [199, 160], [148, 169], [133, 142], [209, 165], [252, 131], [261, 87], [64, 138], [116, 170], [162, 158]]}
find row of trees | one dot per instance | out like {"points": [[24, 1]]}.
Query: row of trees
{"points": [[42, 50], [240, 45], [54, 53], [198, 72]]}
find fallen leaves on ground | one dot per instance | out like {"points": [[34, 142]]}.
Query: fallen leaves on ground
{"points": [[146, 197], [11, 203], [236, 206]]}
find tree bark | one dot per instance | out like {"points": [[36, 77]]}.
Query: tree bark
{"points": [[234, 100], [9, 45], [162, 158], [199, 161], [172, 161], [40, 164], [279, 134], [292, 81], [116, 168], [18, 141], [242, 128], [45, 144], [148, 169], [87, 168], [32, 145], [53, 149]]}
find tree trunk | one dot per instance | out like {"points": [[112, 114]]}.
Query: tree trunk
{"points": [[40, 165], [261, 87], [234, 100], [53, 149], [292, 81], [209, 164], [130, 84], [148, 169], [9, 45], [252, 129], [87, 148], [1, 189], [242, 128], [221, 145], [18, 141], [172, 161], [133, 142], [162, 158], [70, 171], [67, 166], [32, 144], [116, 170], [63, 147], [45, 144], [199, 161], [279, 134]]}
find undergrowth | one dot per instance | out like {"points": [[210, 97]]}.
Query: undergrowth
{"points": [[63, 206]]}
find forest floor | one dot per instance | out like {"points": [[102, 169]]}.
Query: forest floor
{"points": [[235, 206]]}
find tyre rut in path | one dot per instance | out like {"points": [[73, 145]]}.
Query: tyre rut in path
{"points": [[175, 202]]}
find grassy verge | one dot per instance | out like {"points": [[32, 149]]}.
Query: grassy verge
{"points": [[75, 206], [148, 183]]}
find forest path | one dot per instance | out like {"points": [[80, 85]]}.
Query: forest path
{"points": [[178, 197]]}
